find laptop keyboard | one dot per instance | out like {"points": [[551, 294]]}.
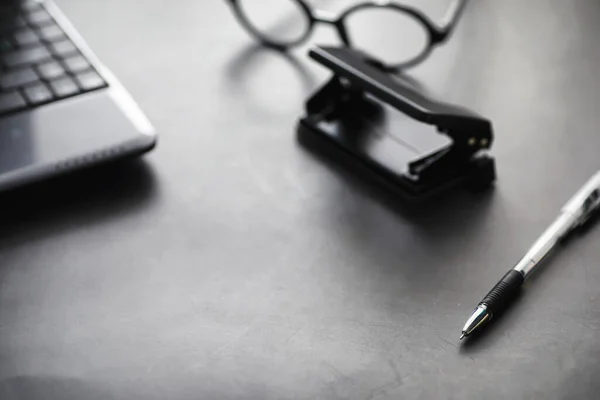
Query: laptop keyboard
{"points": [[39, 64]]}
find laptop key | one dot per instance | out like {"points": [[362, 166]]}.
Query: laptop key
{"points": [[51, 70], [40, 17], [64, 87], [31, 5], [25, 37], [16, 78], [76, 64], [26, 56], [64, 48], [51, 33], [38, 94], [11, 101], [90, 80], [20, 22]]}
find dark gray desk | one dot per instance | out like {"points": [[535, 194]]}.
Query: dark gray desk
{"points": [[233, 264]]}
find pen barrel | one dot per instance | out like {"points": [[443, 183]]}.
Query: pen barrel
{"points": [[559, 229], [504, 292]]}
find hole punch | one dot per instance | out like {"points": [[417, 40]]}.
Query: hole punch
{"points": [[352, 116]]}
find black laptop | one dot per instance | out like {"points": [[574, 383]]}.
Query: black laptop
{"points": [[60, 108]]}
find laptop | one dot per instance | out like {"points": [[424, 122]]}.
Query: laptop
{"points": [[60, 108]]}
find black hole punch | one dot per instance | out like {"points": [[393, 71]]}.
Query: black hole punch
{"points": [[354, 115]]}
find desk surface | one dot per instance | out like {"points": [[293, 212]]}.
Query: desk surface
{"points": [[232, 264]]}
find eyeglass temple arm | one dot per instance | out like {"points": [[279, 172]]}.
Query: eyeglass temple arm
{"points": [[453, 15]]}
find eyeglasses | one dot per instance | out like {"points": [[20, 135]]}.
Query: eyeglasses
{"points": [[398, 36]]}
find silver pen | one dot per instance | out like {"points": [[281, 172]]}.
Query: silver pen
{"points": [[574, 214]]}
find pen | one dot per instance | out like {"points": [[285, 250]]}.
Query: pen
{"points": [[574, 214]]}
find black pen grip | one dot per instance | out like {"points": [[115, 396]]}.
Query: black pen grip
{"points": [[504, 292]]}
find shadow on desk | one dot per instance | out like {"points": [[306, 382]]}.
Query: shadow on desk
{"points": [[423, 243], [83, 197], [266, 83], [248, 61]]}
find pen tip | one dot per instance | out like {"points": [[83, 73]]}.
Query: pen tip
{"points": [[462, 336]]}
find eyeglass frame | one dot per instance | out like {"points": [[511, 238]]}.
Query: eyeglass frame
{"points": [[436, 34]]}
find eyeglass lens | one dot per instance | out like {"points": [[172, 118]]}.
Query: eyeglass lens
{"points": [[282, 22], [388, 34]]}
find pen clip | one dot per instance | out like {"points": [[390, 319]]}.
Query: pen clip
{"points": [[591, 204], [586, 201]]}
